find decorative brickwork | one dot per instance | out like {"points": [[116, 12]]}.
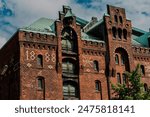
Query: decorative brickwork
{"points": [[71, 58]]}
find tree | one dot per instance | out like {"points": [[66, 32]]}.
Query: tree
{"points": [[134, 90]]}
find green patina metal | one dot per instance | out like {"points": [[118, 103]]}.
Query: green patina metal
{"points": [[82, 22], [69, 14], [143, 40], [87, 37], [43, 25], [47, 26]]}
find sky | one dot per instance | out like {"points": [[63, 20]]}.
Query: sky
{"points": [[15, 14]]}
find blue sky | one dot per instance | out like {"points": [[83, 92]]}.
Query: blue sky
{"points": [[17, 13]]}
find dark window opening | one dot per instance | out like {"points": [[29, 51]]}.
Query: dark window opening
{"points": [[69, 39], [118, 78], [142, 70], [116, 18], [40, 60], [117, 59], [120, 33], [120, 18], [40, 83], [145, 87], [97, 85], [67, 45], [70, 90], [122, 60], [114, 31], [96, 65], [68, 66], [124, 78], [124, 33]]}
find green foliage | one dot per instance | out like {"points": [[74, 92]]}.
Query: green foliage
{"points": [[134, 90]]}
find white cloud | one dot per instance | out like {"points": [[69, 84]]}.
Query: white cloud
{"points": [[27, 11]]}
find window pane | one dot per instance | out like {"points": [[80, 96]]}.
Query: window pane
{"points": [[69, 90], [122, 60], [98, 86], [118, 78], [72, 90], [142, 69], [69, 44], [65, 90], [40, 60], [124, 78], [117, 59], [40, 83], [64, 43], [96, 66]]}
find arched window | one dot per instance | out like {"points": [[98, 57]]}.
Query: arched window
{"points": [[98, 88], [124, 78], [120, 18], [69, 39], [118, 78], [145, 87], [116, 18], [40, 83], [40, 60], [98, 85], [96, 65], [68, 66], [70, 90], [124, 33], [67, 45], [142, 69], [114, 32], [120, 33], [117, 59]]}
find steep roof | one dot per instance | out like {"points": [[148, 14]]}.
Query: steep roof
{"points": [[140, 37], [46, 26], [42, 25]]}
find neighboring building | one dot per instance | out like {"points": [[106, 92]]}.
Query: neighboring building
{"points": [[71, 58]]}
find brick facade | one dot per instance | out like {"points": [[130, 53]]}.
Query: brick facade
{"points": [[65, 64]]}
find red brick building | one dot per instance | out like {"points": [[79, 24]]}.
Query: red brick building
{"points": [[71, 58]]}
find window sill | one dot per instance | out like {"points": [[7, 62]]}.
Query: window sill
{"points": [[40, 67], [39, 89], [97, 91]]}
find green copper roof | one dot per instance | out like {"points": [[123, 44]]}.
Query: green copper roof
{"points": [[95, 25], [87, 37], [138, 30], [135, 43], [80, 21], [143, 40], [69, 14], [43, 25]]}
